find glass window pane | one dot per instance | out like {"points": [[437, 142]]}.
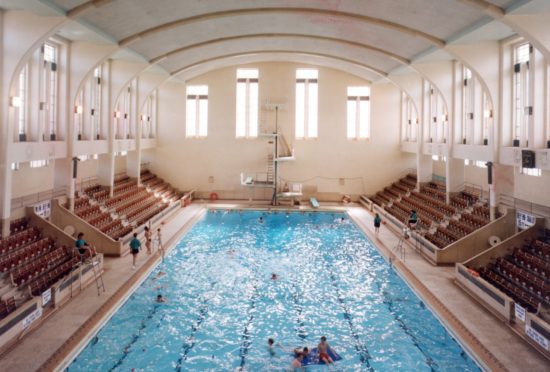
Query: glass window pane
{"points": [[300, 114], [253, 113], [352, 114], [203, 117], [241, 110], [364, 119], [312, 110], [191, 118]]}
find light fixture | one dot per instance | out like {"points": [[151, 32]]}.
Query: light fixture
{"points": [[117, 114], [78, 109], [143, 117], [444, 117], [15, 101], [488, 114]]}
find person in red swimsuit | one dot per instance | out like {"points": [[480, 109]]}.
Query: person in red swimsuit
{"points": [[323, 348]]}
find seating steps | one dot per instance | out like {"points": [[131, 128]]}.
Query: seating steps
{"points": [[29, 264], [523, 275]]}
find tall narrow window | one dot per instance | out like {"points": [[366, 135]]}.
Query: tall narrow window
{"points": [[196, 121], [247, 103], [95, 103], [522, 108], [48, 99], [306, 103], [468, 105], [358, 113], [23, 99]]}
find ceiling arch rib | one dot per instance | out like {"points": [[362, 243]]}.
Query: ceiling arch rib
{"points": [[393, 56], [288, 10], [293, 52]]}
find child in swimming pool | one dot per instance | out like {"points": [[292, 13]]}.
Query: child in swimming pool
{"points": [[323, 348]]}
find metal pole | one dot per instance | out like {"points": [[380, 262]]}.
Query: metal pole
{"points": [[275, 163]]}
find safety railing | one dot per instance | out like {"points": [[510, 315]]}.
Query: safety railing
{"points": [[28, 200]]}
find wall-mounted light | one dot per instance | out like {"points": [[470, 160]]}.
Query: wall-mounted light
{"points": [[488, 114], [143, 117], [15, 101], [78, 109], [117, 114], [444, 117]]}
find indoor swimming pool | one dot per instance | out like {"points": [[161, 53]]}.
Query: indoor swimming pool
{"points": [[223, 303]]}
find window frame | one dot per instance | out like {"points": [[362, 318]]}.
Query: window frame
{"points": [[307, 117]]}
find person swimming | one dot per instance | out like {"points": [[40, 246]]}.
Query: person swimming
{"points": [[323, 348], [160, 298], [274, 276], [261, 219], [297, 363]]}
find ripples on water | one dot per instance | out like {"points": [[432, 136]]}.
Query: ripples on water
{"points": [[222, 305]]}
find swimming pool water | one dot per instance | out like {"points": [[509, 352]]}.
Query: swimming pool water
{"points": [[222, 304]]}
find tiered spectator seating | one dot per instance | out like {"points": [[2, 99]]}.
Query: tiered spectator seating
{"points": [[27, 258], [524, 275], [443, 223]]}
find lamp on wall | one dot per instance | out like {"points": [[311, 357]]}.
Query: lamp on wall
{"points": [[117, 114], [143, 117], [15, 101], [78, 109], [488, 114], [444, 117]]}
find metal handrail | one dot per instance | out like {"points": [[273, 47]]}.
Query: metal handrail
{"points": [[27, 200]]}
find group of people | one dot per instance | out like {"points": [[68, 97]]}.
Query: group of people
{"points": [[411, 223], [135, 244], [302, 352]]}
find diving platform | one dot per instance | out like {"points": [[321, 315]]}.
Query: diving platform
{"points": [[294, 191], [257, 180]]}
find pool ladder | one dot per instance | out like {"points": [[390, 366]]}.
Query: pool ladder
{"points": [[98, 276]]}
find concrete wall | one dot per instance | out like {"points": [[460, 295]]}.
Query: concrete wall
{"points": [[61, 217], [320, 163]]}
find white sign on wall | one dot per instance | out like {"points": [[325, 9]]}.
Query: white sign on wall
{"points": [[32, 317], [46, 296], [520, 313], [524, 220], [43, 209], [537, 337]]}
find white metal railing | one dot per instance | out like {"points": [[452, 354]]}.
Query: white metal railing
{"points": [[27, 200], [534, 209]]}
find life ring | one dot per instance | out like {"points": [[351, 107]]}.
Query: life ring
{"points": [[346, 199], [213, 196]]}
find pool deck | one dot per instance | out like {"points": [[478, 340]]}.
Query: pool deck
{"points": [[54, 343]]}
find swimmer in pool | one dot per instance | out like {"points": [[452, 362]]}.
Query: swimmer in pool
{"points": [[304, 351], [159, 275], [274, 276], [323, 348], [296, 364], [261, 219], [160, 299]]}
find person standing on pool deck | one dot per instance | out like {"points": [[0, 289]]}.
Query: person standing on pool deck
{"points": [[148, 239], [377, 222], [323, 348], [160, 247], [135, 246]]}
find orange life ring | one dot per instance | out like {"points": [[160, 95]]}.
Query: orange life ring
{"points": [[213, 196]]}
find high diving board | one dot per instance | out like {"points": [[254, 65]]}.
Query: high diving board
{"points": [[251, 181], [294, 190]]}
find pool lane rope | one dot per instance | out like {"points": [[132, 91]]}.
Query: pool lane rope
{"points": [[190, 342], [362, 350], [300, 328], [135, 338], [245, 338]]}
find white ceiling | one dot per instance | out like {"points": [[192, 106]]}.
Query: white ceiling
{"points": [[381, 34]]}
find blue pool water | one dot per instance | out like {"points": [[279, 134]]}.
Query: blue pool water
{"points": [[223, 305]]}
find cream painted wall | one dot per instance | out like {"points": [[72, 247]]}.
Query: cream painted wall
{"points": [[320, 163], [27, 180], [533, 189], [477, 176], [439, 168]]}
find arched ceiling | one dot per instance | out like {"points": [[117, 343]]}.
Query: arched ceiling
{"points": [[381, 35]]}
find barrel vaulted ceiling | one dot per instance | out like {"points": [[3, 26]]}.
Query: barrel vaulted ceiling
{"points": [[378, 35]]}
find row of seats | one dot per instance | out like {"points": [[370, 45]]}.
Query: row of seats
{"points": [[139, 208], [424, 207], [124, 197], [19, 239], [7, 307], [474, 221], [434, 203], [17, 225], [18, 257], [137, 199], [45, 281], [89, 212], [524, 275], [25, 273], [31, 257], [149, 213]]}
